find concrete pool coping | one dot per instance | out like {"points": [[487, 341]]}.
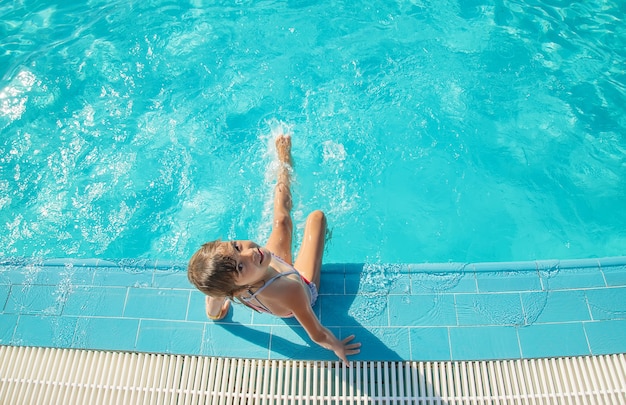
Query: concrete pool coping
{"points": [[428, 311]]}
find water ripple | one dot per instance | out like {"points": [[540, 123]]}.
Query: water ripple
{"points": [[459, 129]]}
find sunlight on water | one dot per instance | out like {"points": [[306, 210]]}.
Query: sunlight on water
{"points": [[426, 132], [13, 98]]}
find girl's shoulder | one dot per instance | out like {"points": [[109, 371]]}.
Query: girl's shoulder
{"points": [[287, 281]]}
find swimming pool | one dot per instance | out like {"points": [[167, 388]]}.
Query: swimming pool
{"points": [[473, 131], [458, 134]]}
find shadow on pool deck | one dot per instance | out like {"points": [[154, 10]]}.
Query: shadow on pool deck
{"points": [[446, 311]]}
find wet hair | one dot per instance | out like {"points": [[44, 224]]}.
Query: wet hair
{"points": [[213, 273]]}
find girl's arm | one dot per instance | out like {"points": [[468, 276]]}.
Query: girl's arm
{"points": [[318, 333]]}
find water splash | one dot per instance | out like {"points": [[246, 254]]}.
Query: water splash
{"points": [[134, 266], [14, 96], [31, 271], [437, 282], [500, 314], [533, 306], [376, 282], [333, 151], [63, 290]]}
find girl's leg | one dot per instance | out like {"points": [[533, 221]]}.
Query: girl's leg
{"points": [[309, 260], [279, 241]]}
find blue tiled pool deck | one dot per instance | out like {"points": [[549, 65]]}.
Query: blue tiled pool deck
{"points": [[450, 311]]}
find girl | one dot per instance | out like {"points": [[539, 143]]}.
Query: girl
{"points": [[263, 277]]}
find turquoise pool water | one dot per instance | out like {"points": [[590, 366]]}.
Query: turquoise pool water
{"points": [[428, 131]]}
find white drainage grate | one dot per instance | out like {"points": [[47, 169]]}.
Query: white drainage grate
{"points": [[65, 376]]}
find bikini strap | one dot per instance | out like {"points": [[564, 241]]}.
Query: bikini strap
{"points": [[267, 284]]}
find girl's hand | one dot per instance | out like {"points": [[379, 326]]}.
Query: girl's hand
{"points": [[347, 349]]}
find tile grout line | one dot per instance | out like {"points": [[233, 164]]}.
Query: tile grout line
{"points": [[587, 338], [523, 308], [139, 324]]}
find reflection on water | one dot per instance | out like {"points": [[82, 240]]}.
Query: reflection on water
{"points": [[427, 132]]}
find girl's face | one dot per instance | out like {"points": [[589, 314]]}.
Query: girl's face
{"points": [[251, 260]]}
